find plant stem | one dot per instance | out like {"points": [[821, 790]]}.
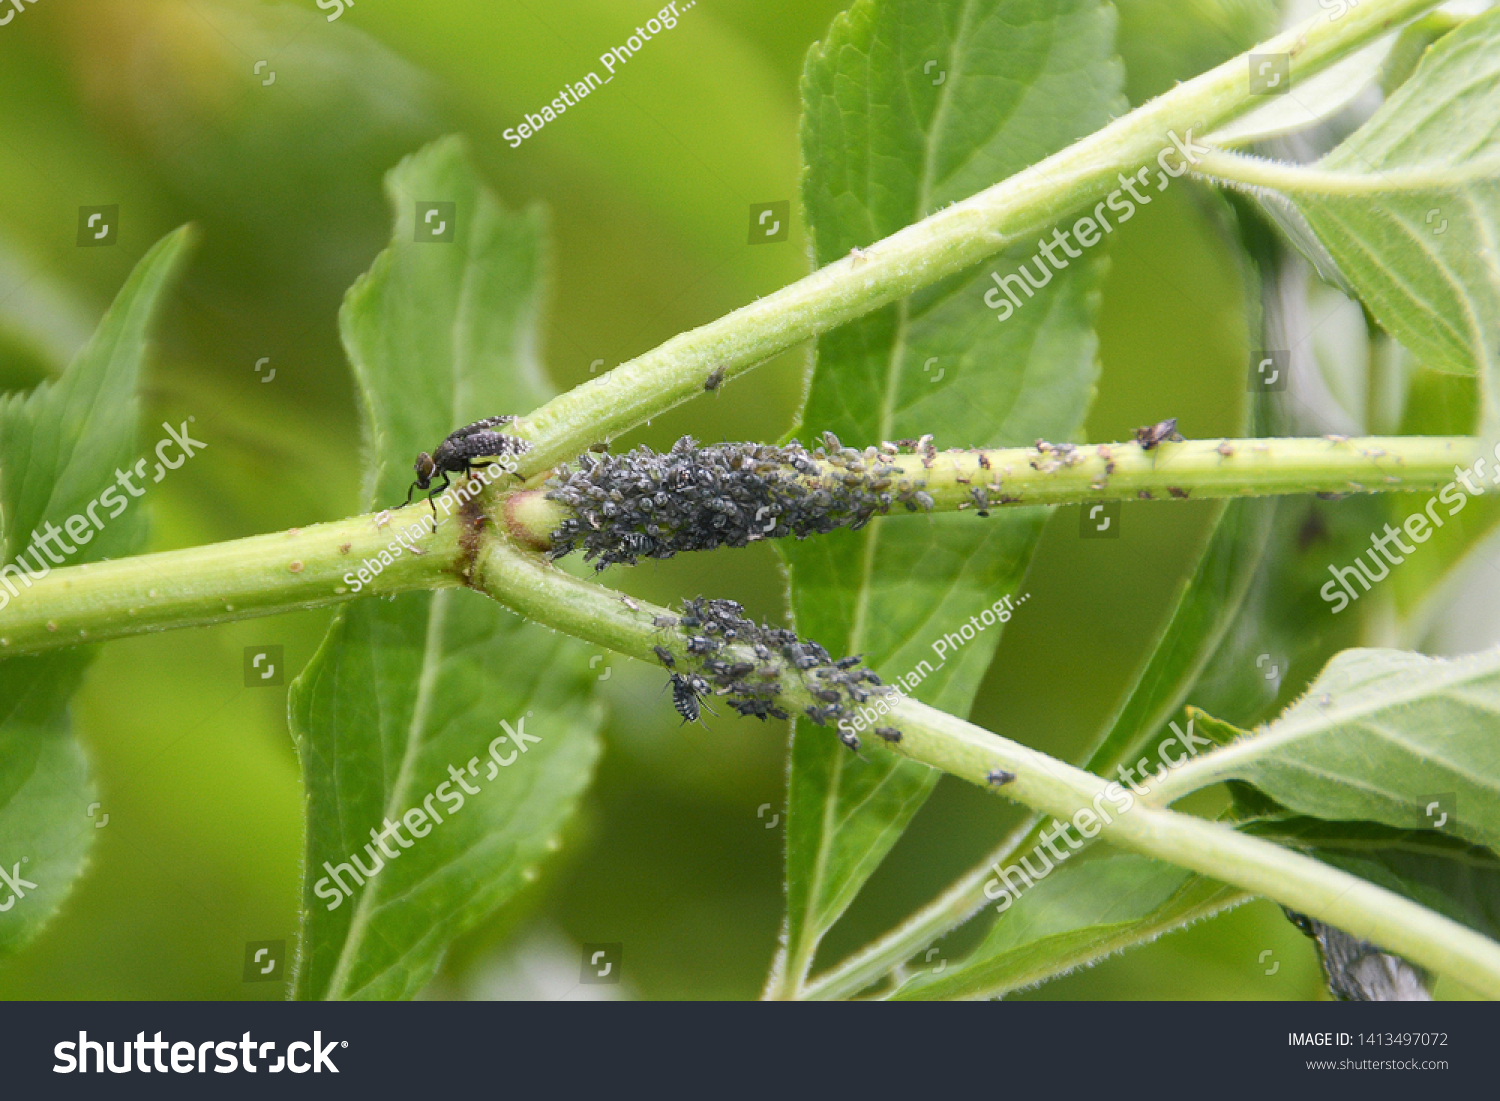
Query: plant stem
{"points": [[942, 244], [1064, 475], [265, 574], [547, 595], [311, 567]]}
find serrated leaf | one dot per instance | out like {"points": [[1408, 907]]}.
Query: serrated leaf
{"points": [[1379, 736], [406, 693], [60, 447], [1074, 916], [1419, 245], [908, 106]]}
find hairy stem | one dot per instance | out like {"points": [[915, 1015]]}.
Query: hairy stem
{"points": [[940, 245], [1045, 784], [265, 574], [1047, 474]]}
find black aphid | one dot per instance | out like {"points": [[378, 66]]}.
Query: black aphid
{"points": [[687, 690], [1150, 435], [889, 733], [664, 656], [999, 776], [457, 454], [715, 379]]}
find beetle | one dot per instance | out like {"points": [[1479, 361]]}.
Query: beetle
{"points": [[456, 454]]}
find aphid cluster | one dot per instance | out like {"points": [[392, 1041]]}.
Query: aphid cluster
{"points": [[647, 505], [707, 627]]}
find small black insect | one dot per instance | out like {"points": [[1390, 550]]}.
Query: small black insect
{"points": [[457, 454], [697, 644], [889, 733], [1149, 435], [999, 776], [686, 692], [715, 379], [664, 656]]}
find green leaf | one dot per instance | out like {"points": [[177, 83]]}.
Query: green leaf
{"points": [[908, 106], [1410, 207], [1074, 916], [60, 447], [406, 693], [1379, 736]]}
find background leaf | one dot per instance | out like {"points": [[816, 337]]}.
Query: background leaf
{"points": [[439, 334], [1423, 259], [1110, 901], [1378, 736], [60, 448], [909, 106]]}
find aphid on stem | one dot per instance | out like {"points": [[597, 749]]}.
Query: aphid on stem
{"points": [[1151, 435]]}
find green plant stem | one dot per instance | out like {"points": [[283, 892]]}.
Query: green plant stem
{"points": [[242, 579], [942, 244], [1019, 476], [547, 595], [311, 567]]}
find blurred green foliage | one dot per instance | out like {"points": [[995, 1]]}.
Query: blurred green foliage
{"points": [[162, 107]]}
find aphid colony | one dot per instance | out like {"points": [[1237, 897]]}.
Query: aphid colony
{"points": [[646, 505], [706, 627]]}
